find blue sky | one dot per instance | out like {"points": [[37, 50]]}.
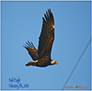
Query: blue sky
{"points": [[22, 21]]}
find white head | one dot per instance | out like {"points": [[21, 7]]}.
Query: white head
{"points": [[53, 62]]}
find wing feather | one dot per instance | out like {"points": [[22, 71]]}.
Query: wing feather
{"points": [[47, 35], [33, 52]]}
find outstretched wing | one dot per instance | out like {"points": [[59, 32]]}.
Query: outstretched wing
{"points": [[47, 35], [33, 52]]}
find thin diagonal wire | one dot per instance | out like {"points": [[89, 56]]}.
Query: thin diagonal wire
{"points": [[76, 63]]}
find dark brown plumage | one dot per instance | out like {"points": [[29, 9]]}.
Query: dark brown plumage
{"points": [[42, 56]]}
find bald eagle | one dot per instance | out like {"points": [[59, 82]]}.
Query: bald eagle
{"points": [[42, 56]]}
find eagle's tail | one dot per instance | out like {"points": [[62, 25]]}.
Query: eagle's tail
{"points": [[31, 63]]}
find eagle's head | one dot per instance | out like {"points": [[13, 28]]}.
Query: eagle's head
{"points": [[54, 62]]}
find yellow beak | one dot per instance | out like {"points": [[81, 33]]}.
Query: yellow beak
{"points": [[56, 62]]}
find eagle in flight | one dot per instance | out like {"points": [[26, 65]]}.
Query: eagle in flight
{"points": [[42, 56]]}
